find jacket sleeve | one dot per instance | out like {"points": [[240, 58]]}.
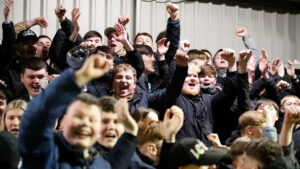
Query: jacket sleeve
{"points": [[250, 44], [135, 59], [164, 98], [8, 49], [36, 138], [173, 36], [257, 86], [269, 132], [272, 91], [228, 94], [61, 44], [296, 86], [243, 98], [120, 156]]}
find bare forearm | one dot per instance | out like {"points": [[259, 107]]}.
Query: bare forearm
{"points": [[285, 137]]}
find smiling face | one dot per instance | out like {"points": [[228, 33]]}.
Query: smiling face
{"points": [[116, 46], [191, 83], [31, 80], [124, 83], [82, 124], [111, 129], [13, 120], [207, 80]]}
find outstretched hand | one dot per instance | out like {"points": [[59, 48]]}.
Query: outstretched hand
{"points": [[94, 67], [60, 12], [7, 9], [290, 70], [244, 57], [184, 45], [172, 124], [173, 11], [75, 15], [41, 21], [229, 55], [162, 49], [241, 32], [123, 19], [121, 109], [292, 114], [182, 59], [263, 63], [273, 69], [121, 33], [214, 139]]}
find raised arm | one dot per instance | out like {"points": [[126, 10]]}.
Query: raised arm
{"points": [[75, 16], [133, 57], [41, 21], [8, 49], [173, 31], [6, 10], [38, 121], [162, 99], [247, 40], [243, 97], [291, 117]]}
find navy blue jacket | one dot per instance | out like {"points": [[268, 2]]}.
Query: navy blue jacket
{"points": [[163, 98], [202, 110], [39, 146]]}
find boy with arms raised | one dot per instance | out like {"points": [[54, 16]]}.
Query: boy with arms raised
{"points": [[41, 148]]}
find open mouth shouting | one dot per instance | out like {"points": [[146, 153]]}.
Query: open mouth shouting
{"points": [[15, 131], [110, 136]]}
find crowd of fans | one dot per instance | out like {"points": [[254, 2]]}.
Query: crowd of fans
{"points": [[72, 102]]}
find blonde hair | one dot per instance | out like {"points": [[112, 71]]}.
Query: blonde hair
{"points": [[18, 103], [282, 102], [150, 130], [251, 118]]}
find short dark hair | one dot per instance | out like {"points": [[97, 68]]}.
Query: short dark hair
{"points": [[144, 34], [220, 50], [264, 150], [206, 51], [144, 49], [92, 33], [105, 49], [44, 36], [267, 102], [141, 113], [107, 103], [34, 63], [207, 69], [197, 54], [238, 147], [161, 35]]}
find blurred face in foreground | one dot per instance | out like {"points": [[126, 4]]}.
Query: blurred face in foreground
{"points": [[82, 124]]}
